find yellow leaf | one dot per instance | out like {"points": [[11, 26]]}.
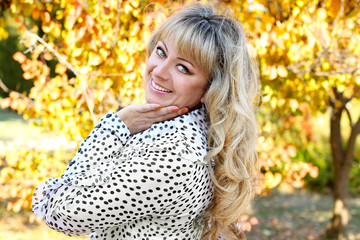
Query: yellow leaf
{"points": [[77, 52], [293, 105], [273, 73], [47, 56], [19, 57], [348, 92], [291, 150], [35, 14], [321, 14], [45, 17], [85, 69], [296, 11], [60, 69], [59, 14], [282, 71], [94, 59], [272, 180], [314, 171], [300, 3]]}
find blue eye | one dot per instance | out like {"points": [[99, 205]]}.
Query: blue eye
{"points": [[183, 69], [160, 52]]}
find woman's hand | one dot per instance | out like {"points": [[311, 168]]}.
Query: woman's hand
{"points": [[140, 117]]}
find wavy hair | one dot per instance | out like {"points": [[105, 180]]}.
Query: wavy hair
{"points": [[217, 43]]}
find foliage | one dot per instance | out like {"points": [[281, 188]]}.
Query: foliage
{"points": [[85, 58], [18, 166], [311, 49], [10, 70]]}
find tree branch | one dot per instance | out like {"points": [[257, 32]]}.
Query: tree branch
{"points": [[356, 127], [7, 90], [99, 74], [3, 86], [32, 47], [349, 115], [304, 67], [63, 61], [338, 16], [349, 155], [332, 73], [113, 44]]}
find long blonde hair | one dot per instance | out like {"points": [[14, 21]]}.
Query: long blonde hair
{"points": [[217, 43]]}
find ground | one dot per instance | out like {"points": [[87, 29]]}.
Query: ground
{"points": [[301, 215]]}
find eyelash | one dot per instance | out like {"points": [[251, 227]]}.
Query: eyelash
{"points": [[160, 52]]}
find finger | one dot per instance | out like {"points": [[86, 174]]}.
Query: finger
{"points": [[183, 111], [172, 111], [159, 111], [171, 115], [168, 109], [148, 107]]}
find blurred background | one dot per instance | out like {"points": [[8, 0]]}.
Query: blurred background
{"points": [[64, 64]]}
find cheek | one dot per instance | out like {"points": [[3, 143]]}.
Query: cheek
{"points": [[151, 62], [192, 91], [148, 68]]}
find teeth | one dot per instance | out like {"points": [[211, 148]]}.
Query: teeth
{"points": [[158, 87]]}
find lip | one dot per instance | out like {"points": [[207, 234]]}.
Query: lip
{"points": [[157, 91]]}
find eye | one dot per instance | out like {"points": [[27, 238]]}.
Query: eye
{"points": [[183, 69], [160, 52]]}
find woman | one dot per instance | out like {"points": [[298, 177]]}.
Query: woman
{"points": [[181, 166]]}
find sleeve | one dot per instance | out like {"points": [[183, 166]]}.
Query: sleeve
{"points": [[143, 183], [91, 164]]}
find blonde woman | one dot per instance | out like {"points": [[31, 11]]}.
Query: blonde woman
{"points": [[182, 166]]}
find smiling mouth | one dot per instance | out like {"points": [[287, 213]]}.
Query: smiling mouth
{"points": [[157, 87]]}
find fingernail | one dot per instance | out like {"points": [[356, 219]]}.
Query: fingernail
{"points": [[183, 111], [174, 109], [157, 107]]}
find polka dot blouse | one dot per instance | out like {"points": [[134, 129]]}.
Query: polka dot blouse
{"points": [[152, 185]]}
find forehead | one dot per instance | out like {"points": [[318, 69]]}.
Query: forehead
{"points": [[171, 45]]}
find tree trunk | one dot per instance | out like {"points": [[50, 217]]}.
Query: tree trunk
{"points": [[340, 209], [342, 162]]}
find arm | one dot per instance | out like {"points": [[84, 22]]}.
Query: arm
{"points": [[96, 151], [88, 172], [141, 186], [91, 164]]}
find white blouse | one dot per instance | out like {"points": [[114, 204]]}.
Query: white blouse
{"points": [[153, 185]]}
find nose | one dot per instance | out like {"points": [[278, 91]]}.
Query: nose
{"points": [[162, 71]]}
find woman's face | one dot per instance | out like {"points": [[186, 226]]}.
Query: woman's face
{"points": [[172, 79]]}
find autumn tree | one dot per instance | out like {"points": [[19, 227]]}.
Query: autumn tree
{"points": [[309, 62], [86, 57]]}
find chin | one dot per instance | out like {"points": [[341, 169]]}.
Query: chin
{"points": [[150, 99]]}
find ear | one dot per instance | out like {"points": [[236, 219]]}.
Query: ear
{"points": [[202, 99]]}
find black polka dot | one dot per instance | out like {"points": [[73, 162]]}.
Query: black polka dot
{"points": [[153, 185]]}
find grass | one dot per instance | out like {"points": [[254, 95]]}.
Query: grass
{"points": [[16, 227], [13, 127]]}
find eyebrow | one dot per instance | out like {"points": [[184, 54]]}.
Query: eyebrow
{"points": [[180, 58]]}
